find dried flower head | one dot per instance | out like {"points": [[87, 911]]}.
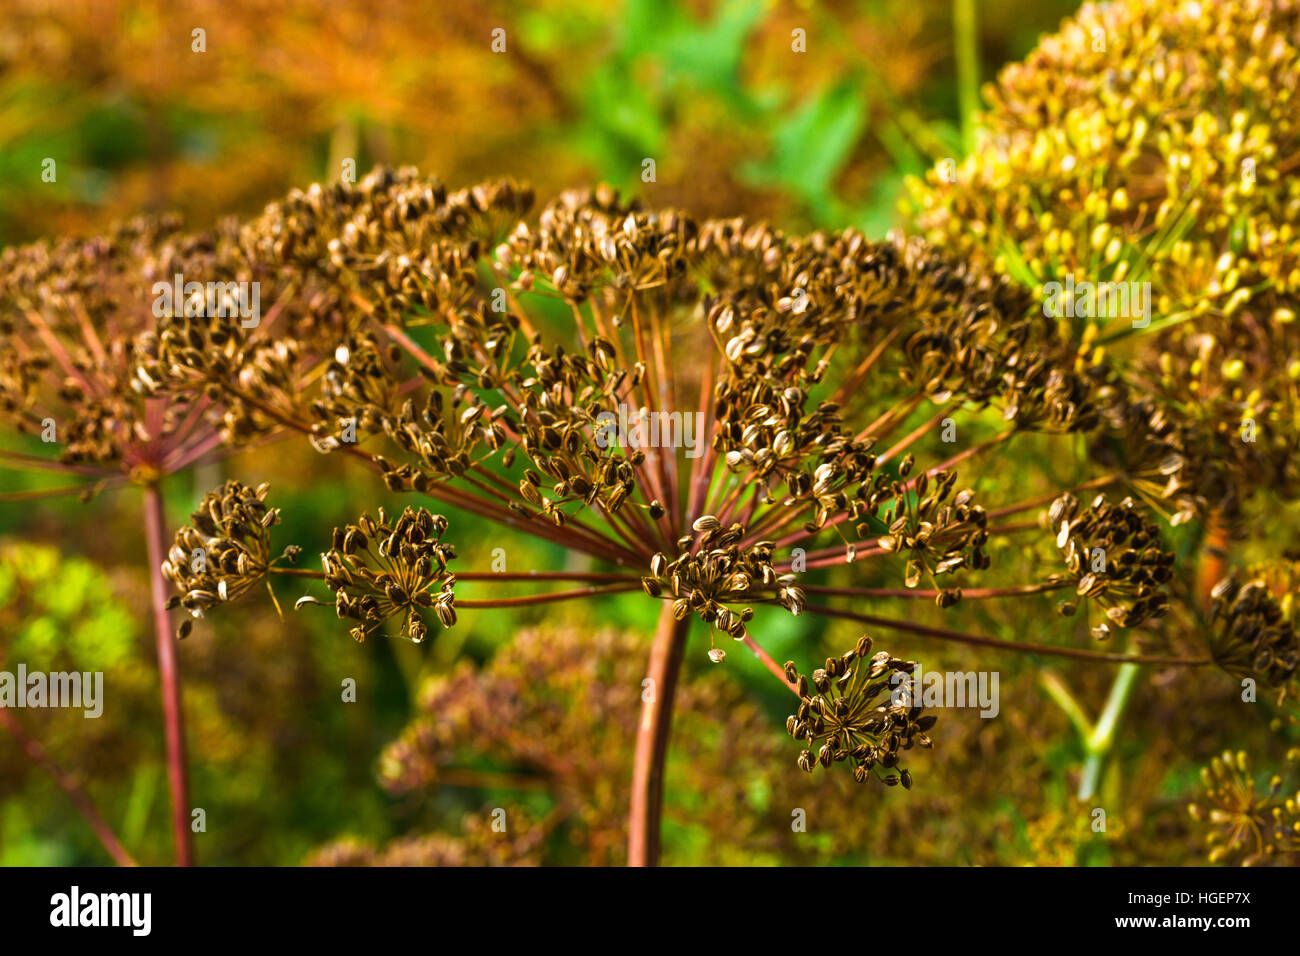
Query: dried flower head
{"points": [[1164, 458], [838, 709], [1114, 554], [549, 380], [77, 316], [941, 532], [556, 710], [1252, 635], [380, 570], [523, 382], [224, 551], [480, 844], [713, 571]]}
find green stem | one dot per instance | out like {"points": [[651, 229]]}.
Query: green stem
{"points": [[966, 44], [1099, 744], [1063, 699]]}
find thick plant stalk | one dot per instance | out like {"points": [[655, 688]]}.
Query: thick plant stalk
{"points": [[652, 739], [69, 785], [169, 673]]}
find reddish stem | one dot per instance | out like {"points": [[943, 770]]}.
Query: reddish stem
{"points": [[770, 664], [931, 593], [915, 436], [69, 785], [652, 739], [169, 672], [527, 600], [1020, 647], [1101, 482]]}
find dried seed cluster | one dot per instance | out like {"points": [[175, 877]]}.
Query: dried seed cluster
{"points": [[941, 532], [1252, 635], [224, 551], [838, 708], [480, 844], [470, 354], [1114, 554], [74, 317], [413, 244], [561, 706], [555, 700], [777, 309], [626, 266], [379, 570], [393, 242], [961, 335], [712, 571], [452, 334], [1164, 457]]}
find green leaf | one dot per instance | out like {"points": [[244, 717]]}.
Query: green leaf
{"points": [[811, 146]]}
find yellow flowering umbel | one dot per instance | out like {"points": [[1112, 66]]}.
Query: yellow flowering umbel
{"points": [[1150, 141], [1244, 824], [838, 709]]}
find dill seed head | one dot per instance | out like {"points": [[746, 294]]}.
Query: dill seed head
{"points": [[79, 318], [476, 356], [839, 719], [563, 705], [1252, 635], [1163, 456], [1113, 553], [379, 570], [225, 550], [940, 532], [495, 383], [713, 572]]}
